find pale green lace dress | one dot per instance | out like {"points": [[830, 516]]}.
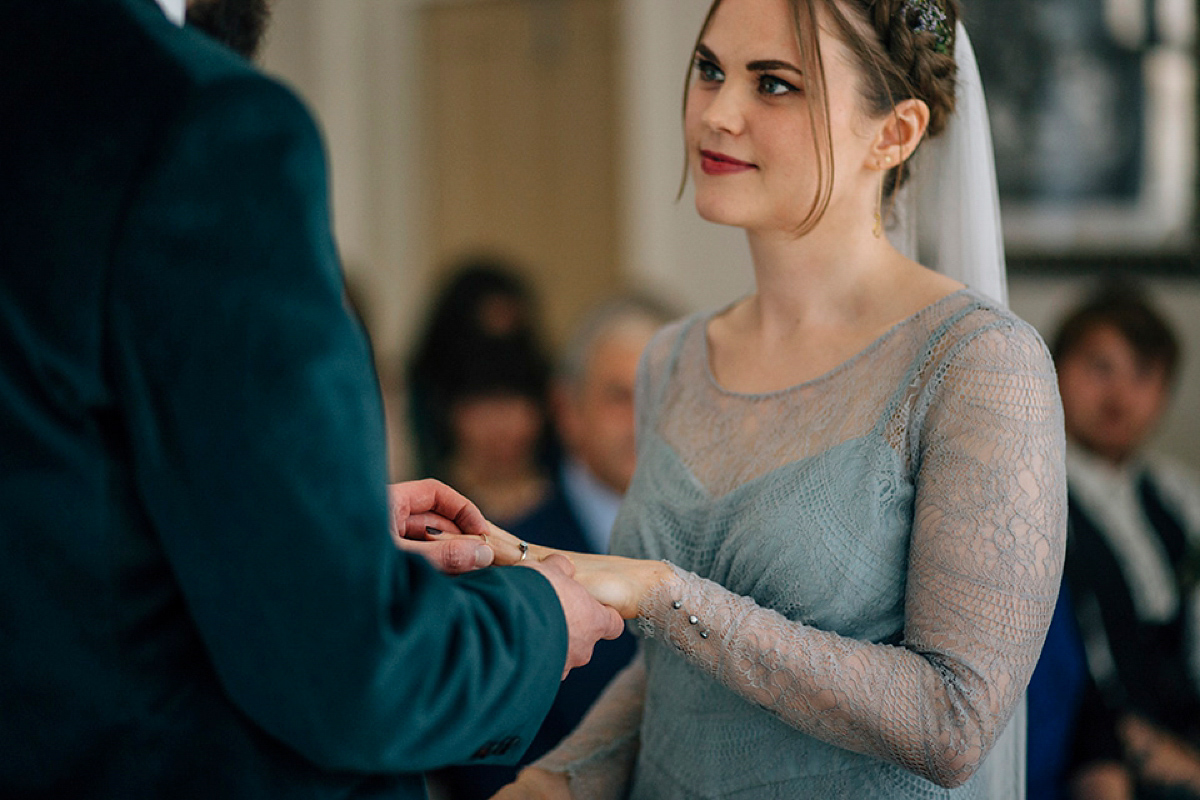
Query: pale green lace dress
{"points": [[866, 566]]}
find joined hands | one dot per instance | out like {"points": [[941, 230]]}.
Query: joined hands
{"points": [[433, 520], [596, 591], [620, 583]]}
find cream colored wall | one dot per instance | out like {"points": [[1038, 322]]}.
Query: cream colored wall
{"points": [[353, 63], [667, 246], [356, 63]]}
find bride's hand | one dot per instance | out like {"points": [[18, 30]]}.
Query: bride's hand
{"points": [[617, 582], [536, 784], [510, 550]]}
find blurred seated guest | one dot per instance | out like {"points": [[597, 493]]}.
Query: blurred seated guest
{"points": [[483, 296], [483, 299], [479, 391], [593, 400], [1114, 704], [497, 407]]}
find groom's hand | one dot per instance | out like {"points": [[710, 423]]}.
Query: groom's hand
{"points": [[426, 515], [587, 620]]}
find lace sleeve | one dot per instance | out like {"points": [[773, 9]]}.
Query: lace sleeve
{"points": [[599, 755], [984, 562]]}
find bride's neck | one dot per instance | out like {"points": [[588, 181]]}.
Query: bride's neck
{"points": [[819, 279]]}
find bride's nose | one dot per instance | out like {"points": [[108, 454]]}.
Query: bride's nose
{"points": [[724, 113]]}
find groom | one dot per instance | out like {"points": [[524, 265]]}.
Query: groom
{"points": [[199, 597]]}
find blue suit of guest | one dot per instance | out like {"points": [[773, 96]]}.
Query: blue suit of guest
{"points": [[1055, 695], [199, 597]]}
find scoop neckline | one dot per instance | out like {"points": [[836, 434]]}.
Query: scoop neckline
{"points": [[828, 374]]}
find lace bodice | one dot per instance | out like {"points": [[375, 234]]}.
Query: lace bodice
{"points": [[866, 564]]}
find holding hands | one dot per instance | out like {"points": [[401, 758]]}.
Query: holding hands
{"points": [[434, 521], [617, 582], [421, 510]]}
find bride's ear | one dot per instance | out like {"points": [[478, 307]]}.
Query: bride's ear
{"points": [[901, 131]]}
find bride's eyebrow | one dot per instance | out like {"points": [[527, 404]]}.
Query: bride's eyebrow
{"points": [[771, 65], [763, 65]]}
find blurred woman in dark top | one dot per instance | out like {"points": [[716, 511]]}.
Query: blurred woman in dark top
{"points": [[478, 389]]}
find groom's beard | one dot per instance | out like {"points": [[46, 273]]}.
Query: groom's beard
{"points": [[237, 24]]}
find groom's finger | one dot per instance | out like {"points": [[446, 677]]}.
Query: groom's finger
{"points": [[429, 495], [426, 526], [452, 556]]}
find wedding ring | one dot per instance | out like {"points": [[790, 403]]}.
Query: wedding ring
{"points": [[524, 551]]}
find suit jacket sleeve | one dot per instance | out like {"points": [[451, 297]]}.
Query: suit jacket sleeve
{"points": [[255, 436]]}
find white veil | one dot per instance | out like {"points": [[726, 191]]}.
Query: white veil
{"points": [[947, 217]]}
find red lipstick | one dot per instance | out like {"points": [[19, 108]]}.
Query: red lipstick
{"points": [[714, 163]]}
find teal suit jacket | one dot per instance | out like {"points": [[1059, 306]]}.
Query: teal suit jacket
{"points": [[198, 593]]}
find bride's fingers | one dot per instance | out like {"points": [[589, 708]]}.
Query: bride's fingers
{"points": [[497, 534], [512, 550], [506, 548]]}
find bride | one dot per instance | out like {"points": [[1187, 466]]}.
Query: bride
{"points": [[843, 543]]}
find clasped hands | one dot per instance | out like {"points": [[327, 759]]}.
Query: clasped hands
{"points": [[596, 592], [430, 518]]}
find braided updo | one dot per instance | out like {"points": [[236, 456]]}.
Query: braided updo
{"points": [[910, 56], [904, 49]]}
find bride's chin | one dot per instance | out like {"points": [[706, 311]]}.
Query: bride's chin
{"points": [[717, 213]]}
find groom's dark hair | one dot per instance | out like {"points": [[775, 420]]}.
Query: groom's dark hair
{"points": [[237, 24]]}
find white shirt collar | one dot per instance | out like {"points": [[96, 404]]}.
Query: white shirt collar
{"points": [[174, 9], [1110, 497], [594, 504]]}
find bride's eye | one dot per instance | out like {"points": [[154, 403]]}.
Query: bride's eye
{"points": [[707, 71], [775, 87]]}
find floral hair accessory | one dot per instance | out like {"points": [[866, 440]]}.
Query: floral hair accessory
{"points": [[926, 16]]}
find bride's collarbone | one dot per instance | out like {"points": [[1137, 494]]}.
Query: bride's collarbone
{"points": [[743, 359], [803, 358]]}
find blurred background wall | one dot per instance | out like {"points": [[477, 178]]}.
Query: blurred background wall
{"points": [[549, 131]]}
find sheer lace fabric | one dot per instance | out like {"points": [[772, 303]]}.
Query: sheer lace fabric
{"points": [[600, 754], [865, 568]]}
